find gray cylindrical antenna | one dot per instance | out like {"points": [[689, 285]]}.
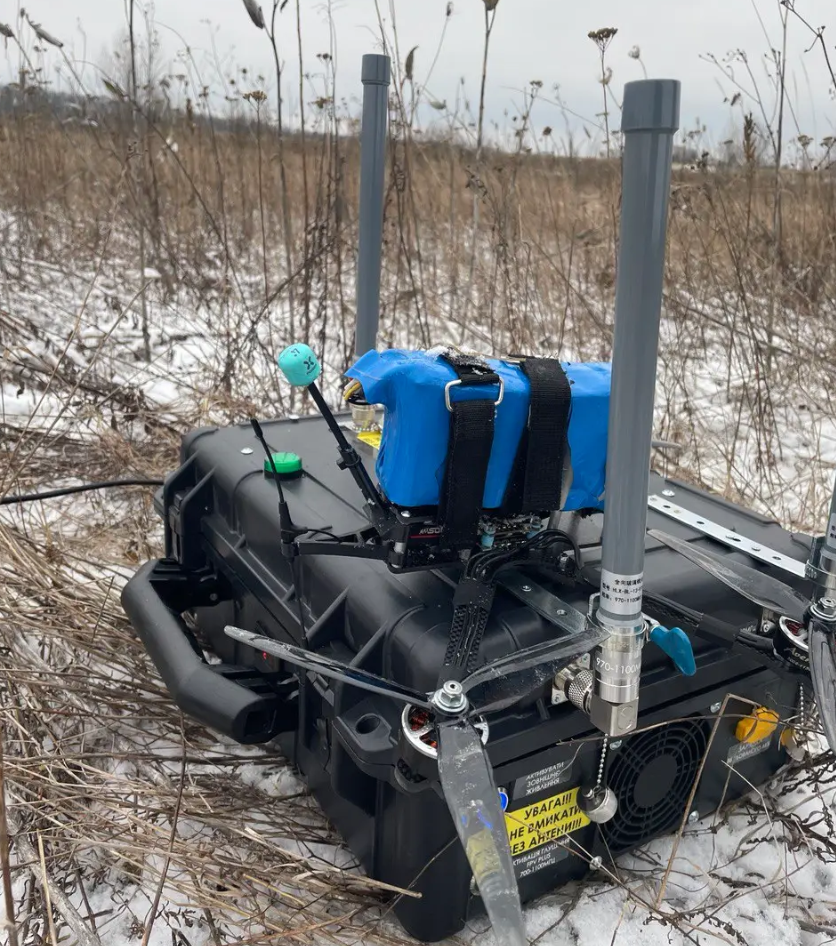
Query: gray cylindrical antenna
{"points": [[822, 564], [650, 117], [376, 76]]}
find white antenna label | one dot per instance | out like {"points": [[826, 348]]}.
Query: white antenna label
{"points": [[621, 594]]}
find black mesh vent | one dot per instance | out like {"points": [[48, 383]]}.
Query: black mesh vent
{"points": [[652, 777]]}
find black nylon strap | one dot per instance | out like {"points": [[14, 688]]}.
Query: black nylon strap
{"points": [[468, 452], [536, 482], [472, 603]]}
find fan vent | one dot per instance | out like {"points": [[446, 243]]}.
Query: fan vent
{"points": [[652, 776]]}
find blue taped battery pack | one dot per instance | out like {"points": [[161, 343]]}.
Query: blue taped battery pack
{"points": [[411, 461]]}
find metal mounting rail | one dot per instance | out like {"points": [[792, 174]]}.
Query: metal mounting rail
{"points": [[734, 540]]}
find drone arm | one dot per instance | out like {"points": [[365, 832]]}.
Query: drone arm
{"points": [[344, 549]]}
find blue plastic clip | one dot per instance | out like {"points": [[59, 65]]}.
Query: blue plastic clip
{"points": [[675, 643]]}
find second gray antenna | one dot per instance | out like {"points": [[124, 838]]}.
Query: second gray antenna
{"points": [[376, 76]]}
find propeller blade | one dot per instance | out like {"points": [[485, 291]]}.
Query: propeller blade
{"points": [[761, 589], [823, 672], [473, 799], [328, 667], [506, 681]]}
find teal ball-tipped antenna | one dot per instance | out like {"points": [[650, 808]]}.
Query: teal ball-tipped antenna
{"points": [[299, 365]]}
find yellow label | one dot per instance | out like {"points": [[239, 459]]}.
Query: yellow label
{"points": [[544, 821], [371, 437]]}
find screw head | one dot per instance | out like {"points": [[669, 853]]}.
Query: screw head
{"points": [[694, 817], [452, 688], [561, 612], [246, 451], [715, 707], [525, 587], [668, 493], [406, 514], [595, 863], [616, 744]]}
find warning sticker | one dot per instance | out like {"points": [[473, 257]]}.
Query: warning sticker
{"points": [[542, 857], [745, 750], [544, 821], [546, 778], [621, 594]]}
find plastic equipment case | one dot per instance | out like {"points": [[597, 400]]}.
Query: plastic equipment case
{"points": [[223, 566]]}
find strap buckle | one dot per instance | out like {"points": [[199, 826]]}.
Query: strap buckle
{"points": [[456, 381]]}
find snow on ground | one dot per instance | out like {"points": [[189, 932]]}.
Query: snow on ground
{"points": [[76, 391]]}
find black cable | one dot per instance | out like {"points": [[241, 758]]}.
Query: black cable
{"points": [[297, 590], [330, 535], [68, 490], [285, 519], [259, 433], [289, 531], [482, 565]]}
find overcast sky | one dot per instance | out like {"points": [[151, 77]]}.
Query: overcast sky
{"points": [[533, 39]]}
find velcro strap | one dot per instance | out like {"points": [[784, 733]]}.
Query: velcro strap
{"points": [[468, 451], [536, 483], [470, 367]]}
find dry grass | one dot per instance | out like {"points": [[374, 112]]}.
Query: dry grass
{"points": [[124, 794], [748, 341]]}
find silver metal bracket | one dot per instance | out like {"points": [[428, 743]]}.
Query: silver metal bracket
{"points": [[539, 599], [733, 540]]}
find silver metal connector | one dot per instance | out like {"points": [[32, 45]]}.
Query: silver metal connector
{"points": [[579, 689], [613, 704], [617, 663], [364, 417], [573, 684]]}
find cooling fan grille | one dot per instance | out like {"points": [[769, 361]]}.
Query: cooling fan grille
{"points": [[652, 776]]}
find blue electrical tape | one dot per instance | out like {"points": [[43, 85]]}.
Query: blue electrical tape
{"points": [[413, 451]]}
